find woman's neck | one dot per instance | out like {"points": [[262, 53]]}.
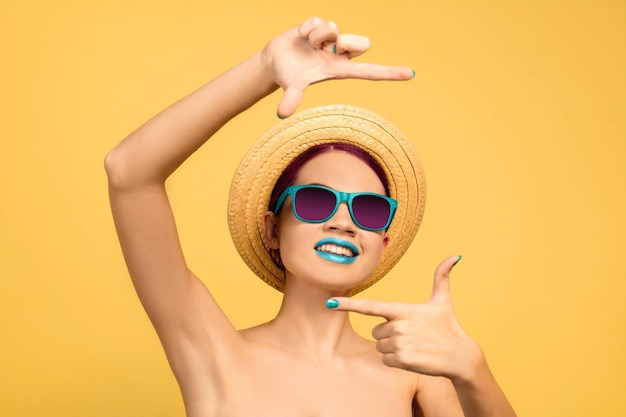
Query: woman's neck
{"points": [[306, 325]]}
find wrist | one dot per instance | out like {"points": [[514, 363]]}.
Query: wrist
{"points": [[473, 367], [255, 76], [477, 389]]}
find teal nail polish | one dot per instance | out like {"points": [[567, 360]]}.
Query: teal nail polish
{"points": [[330, 303], [413, 74], [278, 115], [457, 261], [335, 49]]}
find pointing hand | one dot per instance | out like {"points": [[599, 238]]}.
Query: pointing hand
{"points": [[424, 338]]}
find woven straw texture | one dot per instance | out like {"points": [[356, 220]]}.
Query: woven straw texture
{"points": [[269, 156]]}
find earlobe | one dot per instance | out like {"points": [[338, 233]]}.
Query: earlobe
{"points": [[270, 228]]}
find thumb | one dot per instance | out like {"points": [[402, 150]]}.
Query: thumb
{"points": [[441, 286], [290, 101]]}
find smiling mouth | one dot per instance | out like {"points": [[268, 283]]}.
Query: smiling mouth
{"points": [[336, 250]]}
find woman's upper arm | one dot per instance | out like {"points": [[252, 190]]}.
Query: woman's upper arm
{"points": [[436, 397], [178, 304]]}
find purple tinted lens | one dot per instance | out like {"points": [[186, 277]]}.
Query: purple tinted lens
{"points": [[371, 211], [314, 204]]}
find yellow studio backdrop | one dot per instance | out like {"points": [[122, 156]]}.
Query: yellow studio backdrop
{"points": [[517, 111]]}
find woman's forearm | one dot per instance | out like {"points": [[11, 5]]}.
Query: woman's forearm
{"points": [[479, 393], [156, 149]]}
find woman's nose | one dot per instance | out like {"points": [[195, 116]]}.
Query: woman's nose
{"points": [[341, 220]]}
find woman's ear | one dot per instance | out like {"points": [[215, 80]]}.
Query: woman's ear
{"points": [[385, 243], [270, 227]]}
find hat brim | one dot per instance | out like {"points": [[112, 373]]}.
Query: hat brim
{"points": [[259, 170]]}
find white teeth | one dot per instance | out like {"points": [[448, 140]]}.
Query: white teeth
{"points": [[339, 250]]}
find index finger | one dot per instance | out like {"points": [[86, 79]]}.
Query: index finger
{"points": [[374, 72], [383, 309]]}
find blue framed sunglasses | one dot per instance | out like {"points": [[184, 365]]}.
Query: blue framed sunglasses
{"points": [[316, 204]]}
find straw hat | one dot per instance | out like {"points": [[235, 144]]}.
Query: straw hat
{"points": [[259, 170]]}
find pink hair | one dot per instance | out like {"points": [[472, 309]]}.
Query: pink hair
{"points": [[288, 177]]}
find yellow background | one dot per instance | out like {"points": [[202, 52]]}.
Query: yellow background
{"points": [[517, 111]]}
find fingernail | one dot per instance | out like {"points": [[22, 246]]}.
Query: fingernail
{"points": [[413, 74], [457, 261], [331, 303], [278, 115], [335, 49]]}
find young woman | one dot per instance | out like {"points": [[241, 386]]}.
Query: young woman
{"points": [[331, 229]]}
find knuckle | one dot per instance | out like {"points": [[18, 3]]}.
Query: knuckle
{"points": [[332, 25], [376, 332], [397, 343], [400, 326], [402, 357], [389, 359], [380, 346]]}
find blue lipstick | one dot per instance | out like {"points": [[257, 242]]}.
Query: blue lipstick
{"points": [[333, 257]]}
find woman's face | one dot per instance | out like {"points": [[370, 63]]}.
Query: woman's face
{"points": [[304, 256]]}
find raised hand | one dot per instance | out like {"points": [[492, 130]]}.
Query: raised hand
{"points": [[316, 51], [424, 338]]}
